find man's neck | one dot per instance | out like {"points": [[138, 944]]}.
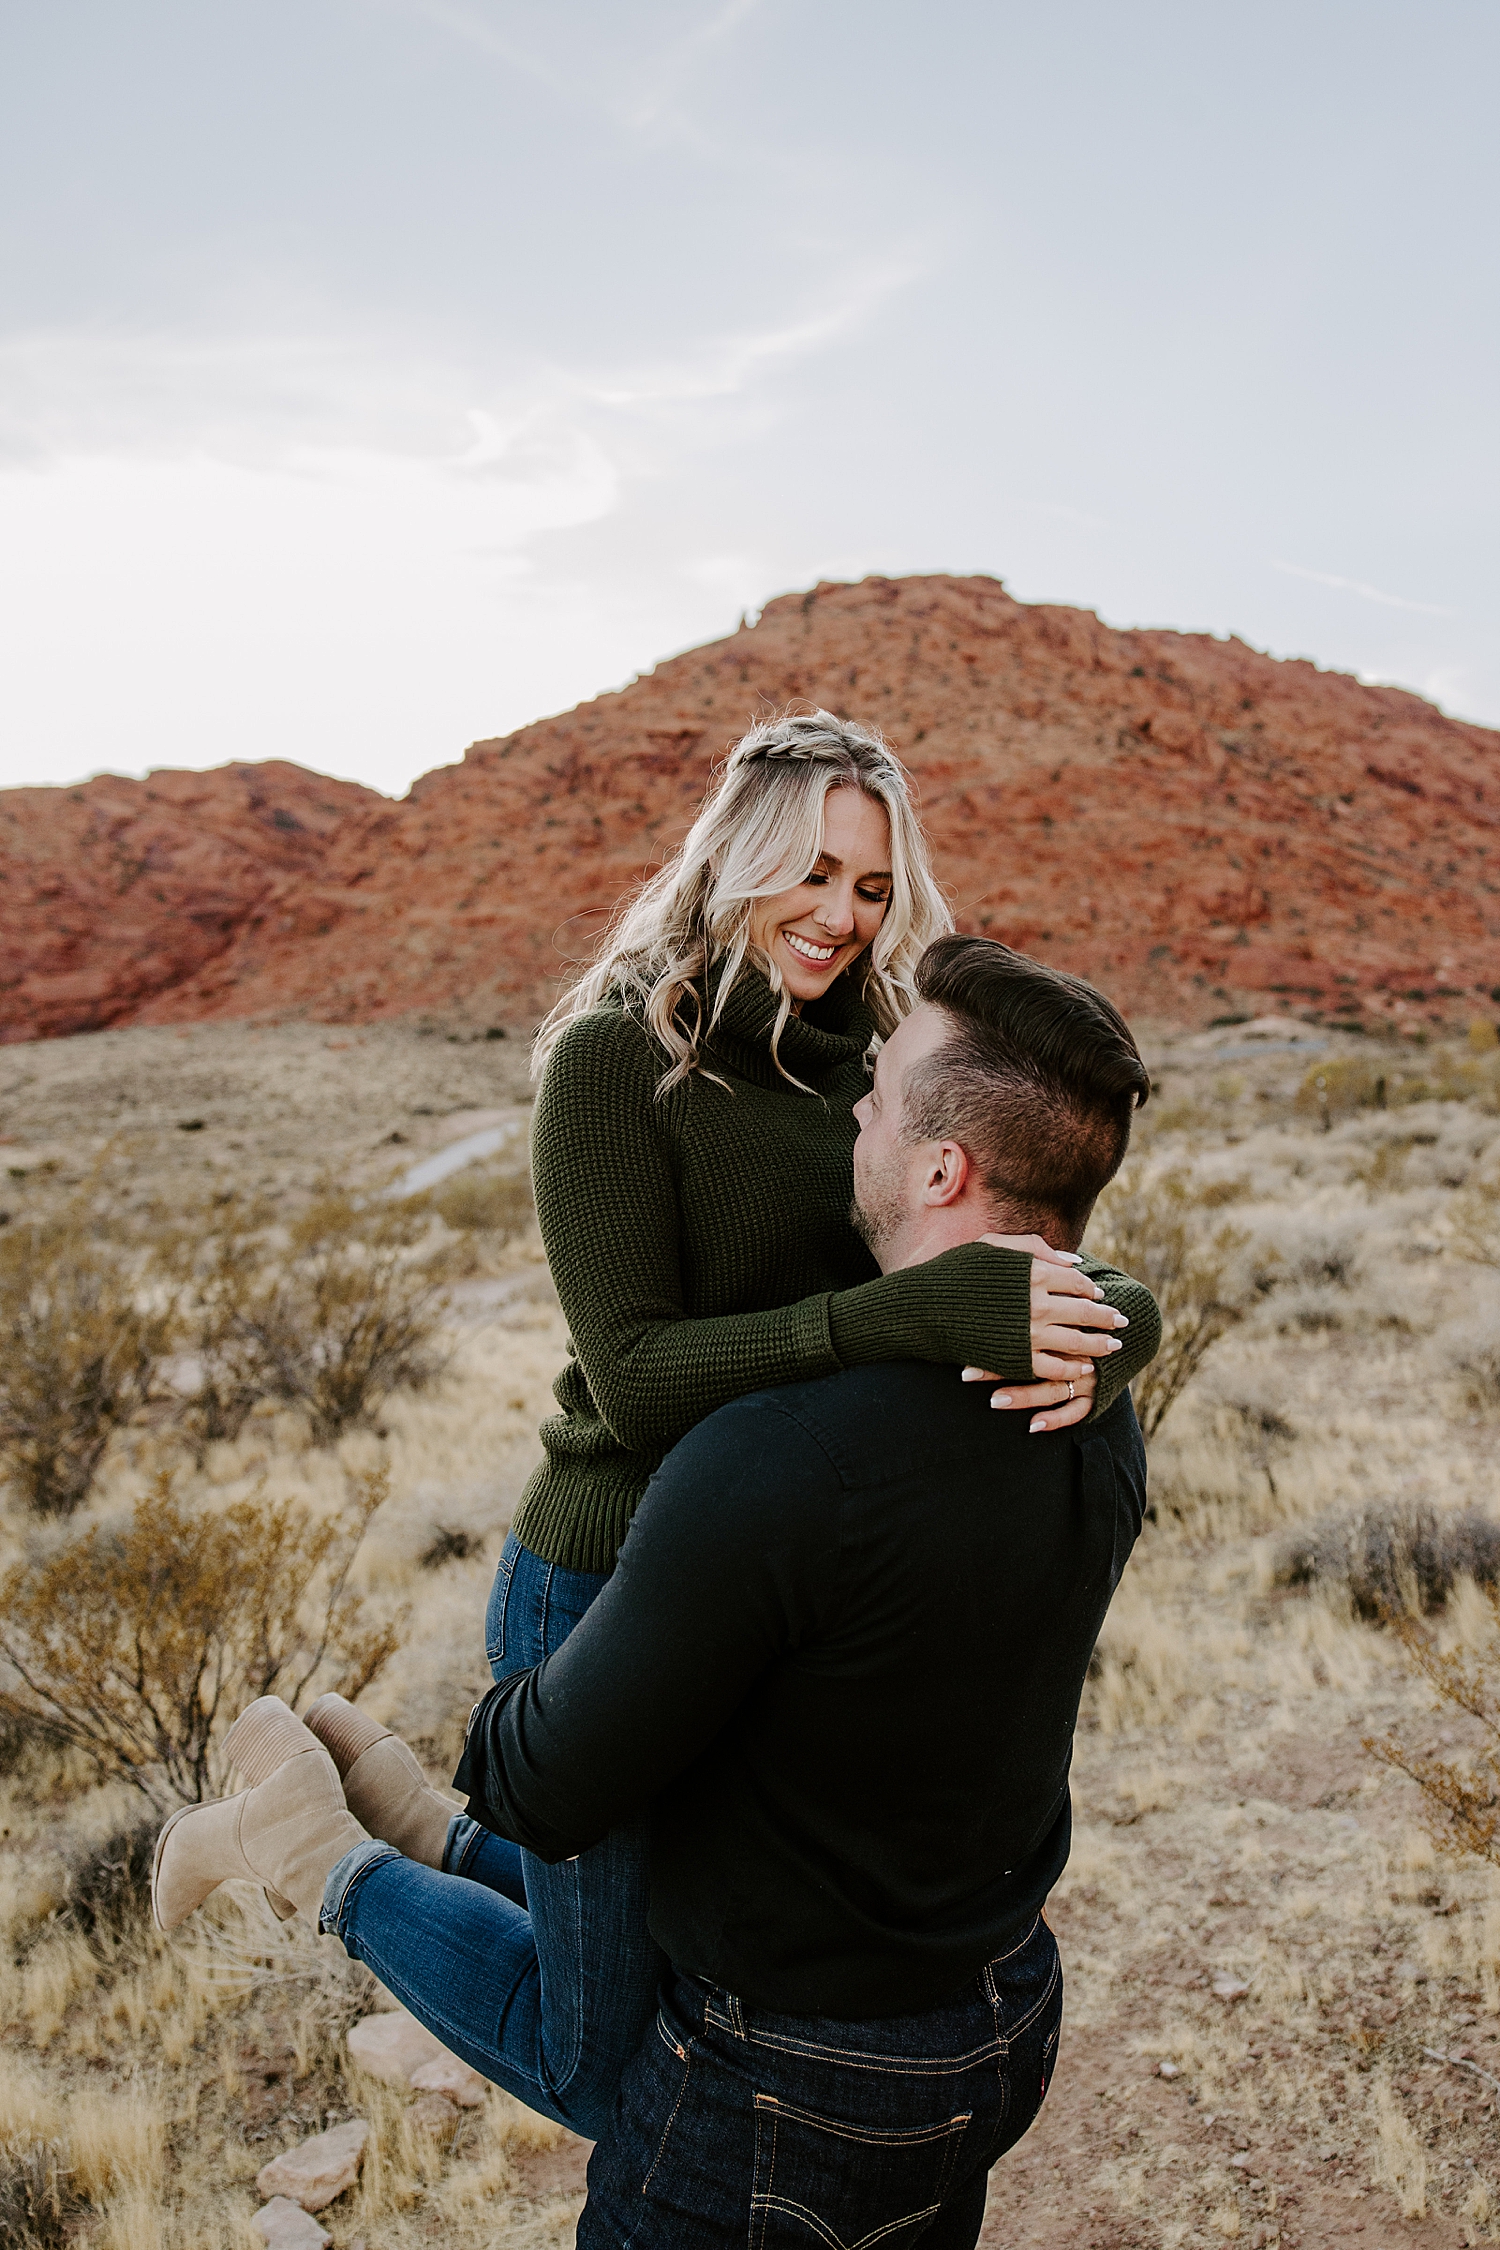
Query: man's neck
{"points": [[930, 1233]]}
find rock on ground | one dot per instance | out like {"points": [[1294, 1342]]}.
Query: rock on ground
{"points": [[320, 2169], [284, 2225], [436, 2115], [451, 2077], [390, 2047]]}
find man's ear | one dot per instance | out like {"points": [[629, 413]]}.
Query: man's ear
{"points": [[947, 1175]]}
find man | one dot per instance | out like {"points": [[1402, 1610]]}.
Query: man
{"points": [[840, 1660]]}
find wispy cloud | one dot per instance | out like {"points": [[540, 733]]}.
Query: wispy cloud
{"points": [[721, 367], [476, 31], [643, 90], [268, 398], [660, 82], [1358, 586]]}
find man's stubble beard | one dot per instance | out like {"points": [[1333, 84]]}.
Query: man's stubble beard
{"points": [[878, 1221]]}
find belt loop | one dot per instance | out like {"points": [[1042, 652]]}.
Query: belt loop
{"points": [[736, 2015]]}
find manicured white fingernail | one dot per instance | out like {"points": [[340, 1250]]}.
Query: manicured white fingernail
{"points": [[1122, 1320], [1039, 1424], [969, 1374], [1070, 1257], [1002, 1398], [1114, 1344], [1098, 1293]]}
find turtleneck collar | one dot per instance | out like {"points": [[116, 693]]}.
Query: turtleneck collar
{"points": [[822, 1039]]}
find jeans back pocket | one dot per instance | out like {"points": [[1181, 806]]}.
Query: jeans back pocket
{"points": [[848, 2185]]}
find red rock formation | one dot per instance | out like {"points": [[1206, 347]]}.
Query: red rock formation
{"points": [[1198, 828], [117, 893]]}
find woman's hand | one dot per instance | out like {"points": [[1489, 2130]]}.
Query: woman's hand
{"points": [[1073, 1400], [1071, 1327]]}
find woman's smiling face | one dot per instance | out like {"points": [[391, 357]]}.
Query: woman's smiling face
{"points": [[813, 931]]}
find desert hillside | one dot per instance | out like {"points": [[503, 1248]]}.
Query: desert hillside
{"points": [[1203, 830]]}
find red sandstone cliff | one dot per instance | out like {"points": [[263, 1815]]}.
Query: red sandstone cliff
{"points": [[1197, 828]]}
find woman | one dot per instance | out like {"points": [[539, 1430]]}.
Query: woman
{"points": [[692, 1156]]}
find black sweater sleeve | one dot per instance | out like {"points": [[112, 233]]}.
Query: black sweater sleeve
{"points": [[729, 1561]]}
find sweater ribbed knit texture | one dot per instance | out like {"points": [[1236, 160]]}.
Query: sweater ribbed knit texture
{"points": [[702, 1250]]}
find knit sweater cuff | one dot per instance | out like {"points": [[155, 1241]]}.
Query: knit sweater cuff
{"points": [[969, 1307]]}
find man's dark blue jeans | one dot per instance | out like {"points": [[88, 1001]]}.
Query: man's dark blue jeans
{"points": [[781, 2132]]}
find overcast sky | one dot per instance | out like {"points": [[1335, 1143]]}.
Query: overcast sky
{"points": [[380, 374]]}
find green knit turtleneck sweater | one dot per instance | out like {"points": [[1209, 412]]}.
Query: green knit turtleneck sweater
{"points": [[702, 1249]]}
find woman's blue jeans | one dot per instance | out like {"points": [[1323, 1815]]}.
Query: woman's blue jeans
{"points": [[545, 1979]]}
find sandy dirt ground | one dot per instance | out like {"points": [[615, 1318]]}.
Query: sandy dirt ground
{"points": [[1283, 2012]]}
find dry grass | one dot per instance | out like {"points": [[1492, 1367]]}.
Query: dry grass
{"points": [[1230, 1824]]}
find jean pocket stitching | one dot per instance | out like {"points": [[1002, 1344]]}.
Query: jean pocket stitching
{"points": [[685, 2057], [895, 2066], [1019, 1947], [1023, 2023], [764, 2201], [495, 1653], [894, 2136]]}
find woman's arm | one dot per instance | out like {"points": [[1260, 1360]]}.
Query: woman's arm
{"points": [[939, 1301], [606, 1196]]}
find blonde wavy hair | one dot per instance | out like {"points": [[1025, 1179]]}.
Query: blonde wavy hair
{"points": [[760, 832]]}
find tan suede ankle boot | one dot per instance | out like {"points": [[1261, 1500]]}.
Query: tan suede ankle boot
{"points": [[286, 1833], [266, 1733], [384, 1785]]}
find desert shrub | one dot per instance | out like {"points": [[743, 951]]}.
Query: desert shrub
{"points": [[1472, 1075], [1477, 1359], [80, 1346], [219, 1264], [1154, 1225], [1338, 1087], [1341, 1085], [140, 1646], [1461, 1798], [1261, 1431], [1213, 1195], [344, 1313], [1475, 1215], [18, 1739], [1392, 1558], [486, 1203], [1382, 1169], [109, 1883], [38, 2210], [448, 1544]]}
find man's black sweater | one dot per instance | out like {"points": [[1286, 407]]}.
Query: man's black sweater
{"points": [[840, 1660]]}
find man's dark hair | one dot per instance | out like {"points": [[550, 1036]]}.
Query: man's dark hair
{"points": [[1037, 1083]]}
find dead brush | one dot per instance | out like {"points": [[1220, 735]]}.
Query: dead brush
{"points": [[497, 1203], [140, 1646], [1461, 1798], [109, 1882], [1157, 1226], [1475, 1216], [1394, 1559], [1477, 1361], [81, 1342], [38, 2210], [343, 1314], [218, 1256]]}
